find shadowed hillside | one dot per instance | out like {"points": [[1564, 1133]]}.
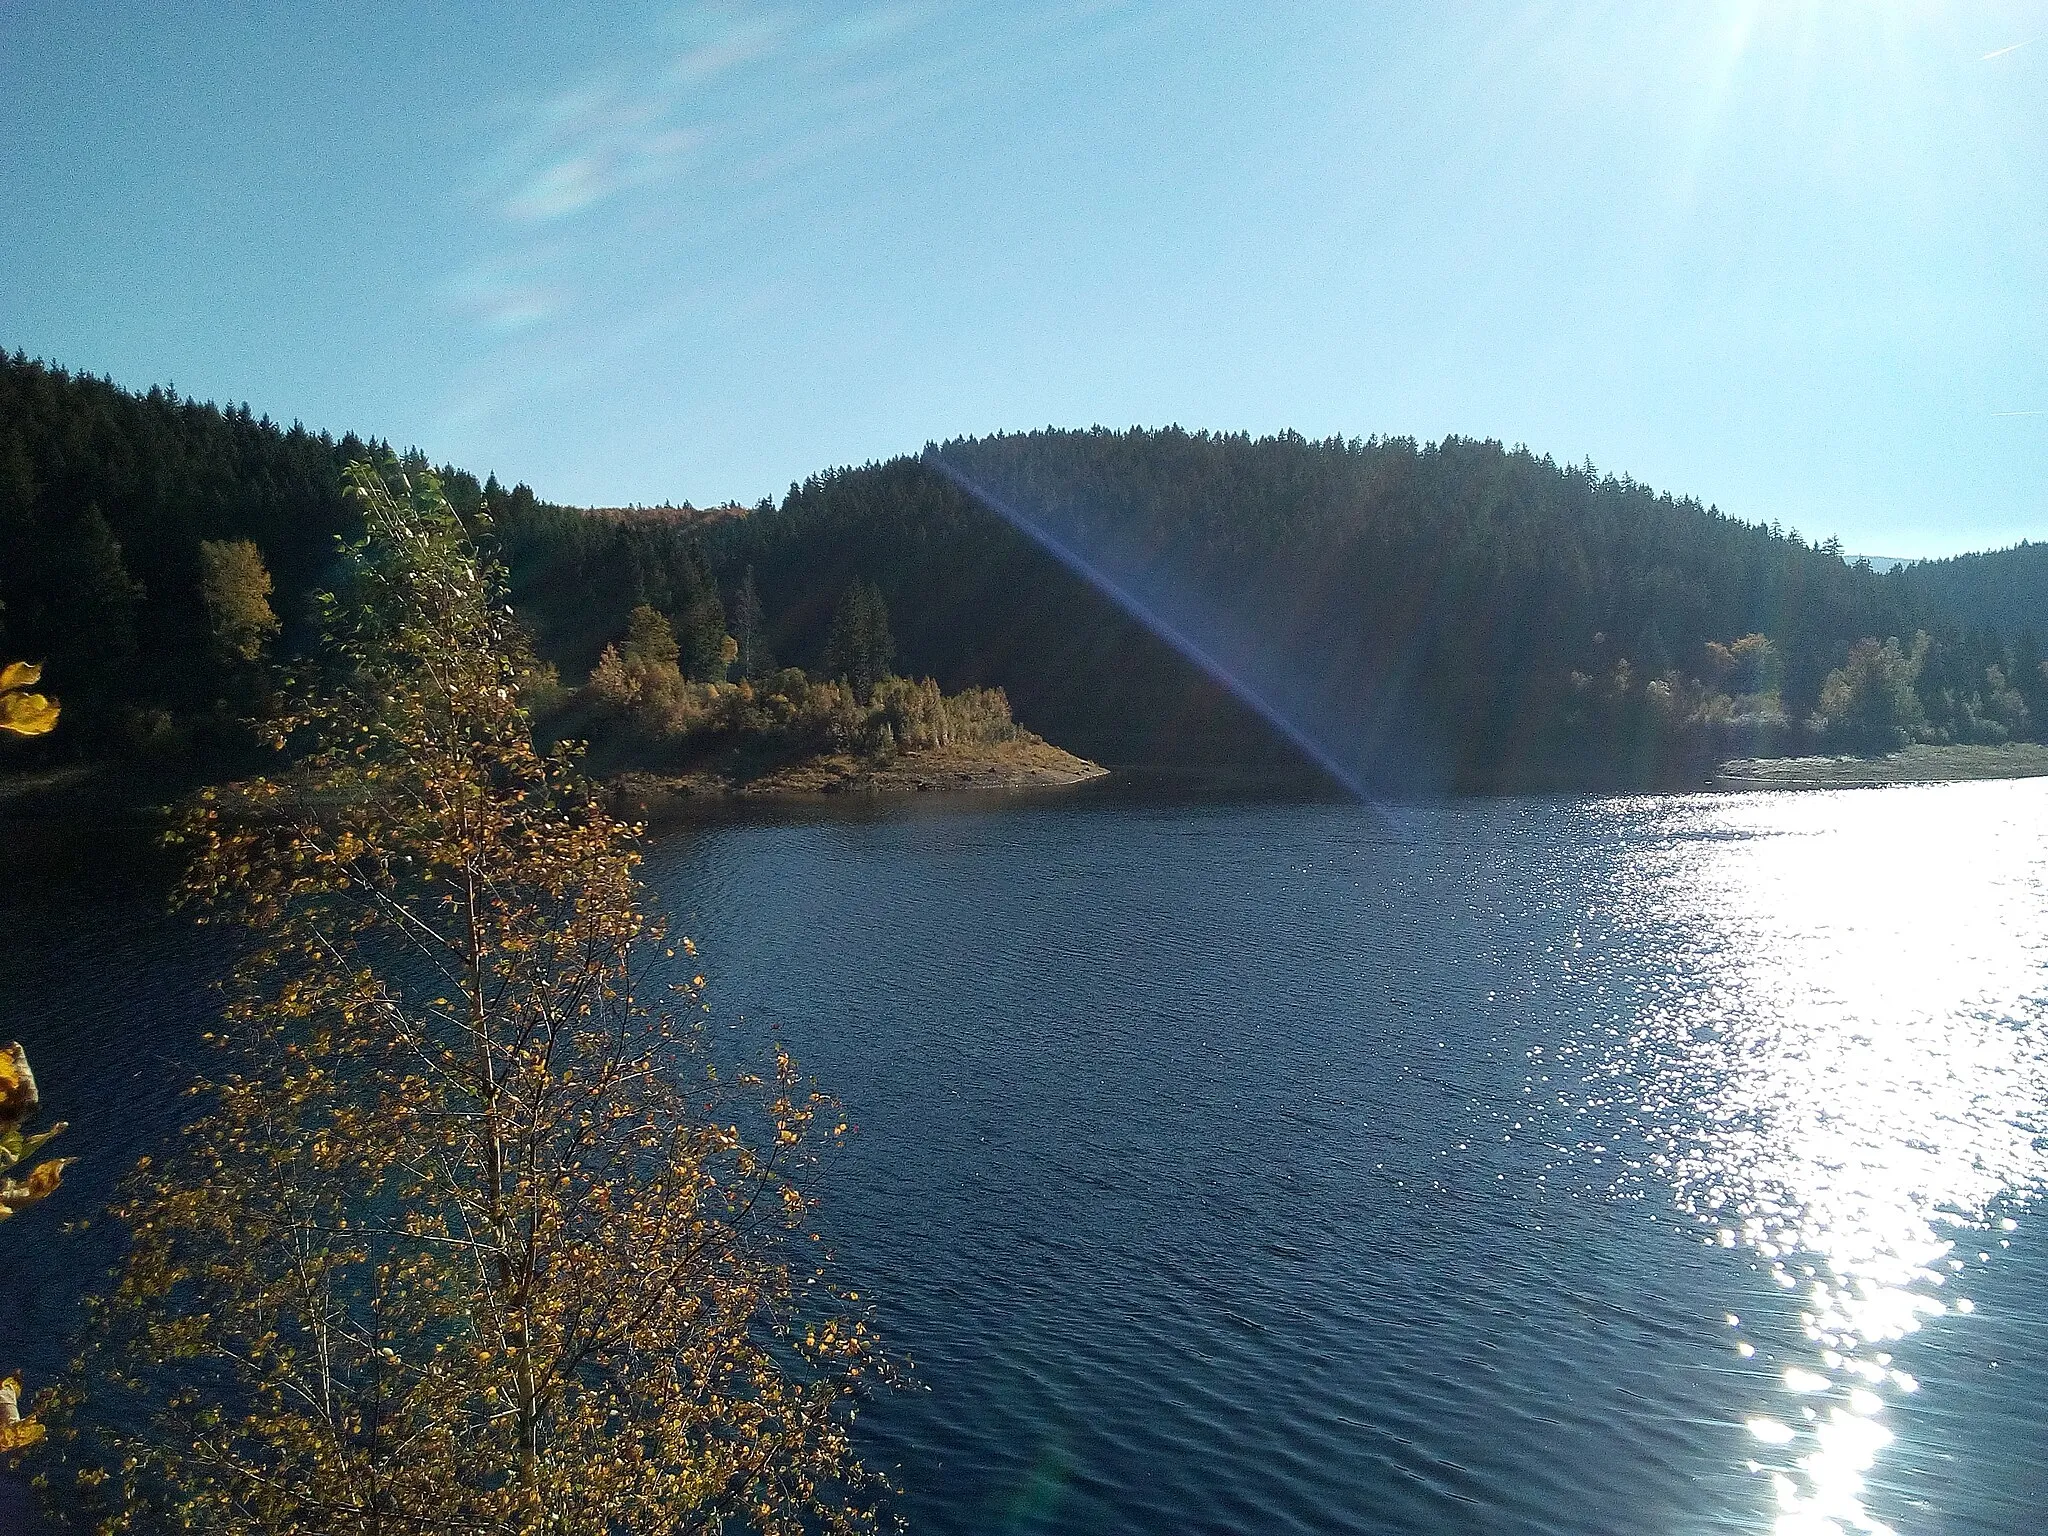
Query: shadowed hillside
{"points": [[1425, 616]]}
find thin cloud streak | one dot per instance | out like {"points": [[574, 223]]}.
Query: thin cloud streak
{"points": [[1999, 53], [594, 187]]}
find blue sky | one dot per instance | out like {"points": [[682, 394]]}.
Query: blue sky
{"points": [[1790, 256]]}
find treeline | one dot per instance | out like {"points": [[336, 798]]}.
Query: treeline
{"points": [[2005, 589], [642, 709], [1435, 615], [106, 501], [1428, 615]]}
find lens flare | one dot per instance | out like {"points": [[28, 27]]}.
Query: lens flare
{"points": [[1232, 681]]}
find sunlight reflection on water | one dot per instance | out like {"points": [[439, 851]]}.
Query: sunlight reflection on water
{"points": [[1847, 1080]]}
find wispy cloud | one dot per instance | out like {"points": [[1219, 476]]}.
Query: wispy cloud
{"points": [[717, 73], [687, 153], [504, 297], [1999, 53], [2020, 413]]}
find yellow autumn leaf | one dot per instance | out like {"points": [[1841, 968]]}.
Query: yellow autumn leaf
{"points": [[16, 1433], [18, 1098], [19, 1436], [19, 674], [27, 714], [44, 1178]]}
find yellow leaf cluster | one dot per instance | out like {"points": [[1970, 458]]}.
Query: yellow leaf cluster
{"points": [[23, 713], [468, 1237], [19, 1102], [16, 1432]]}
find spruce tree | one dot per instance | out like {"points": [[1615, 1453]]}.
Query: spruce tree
{"points": [[859, 650], [750, 630]]}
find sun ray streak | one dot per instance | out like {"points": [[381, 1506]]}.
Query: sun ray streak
{"points": [[1182, 642]]}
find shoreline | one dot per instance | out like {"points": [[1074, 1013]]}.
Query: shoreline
{"points": [[41, 810], [1909, 765], [1022, 765]]}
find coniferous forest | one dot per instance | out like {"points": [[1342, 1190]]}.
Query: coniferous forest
{"points": [[1407, 615]]}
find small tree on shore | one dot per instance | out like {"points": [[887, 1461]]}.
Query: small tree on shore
{"points": [[234, 583], [471, 1237], [1868, 704]]}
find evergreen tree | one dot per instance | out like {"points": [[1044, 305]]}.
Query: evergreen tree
{"points": [[2030, 678], [650, 641], [1870, 703], [707, 650], [97, 630], [859, 649], [750, 631]]}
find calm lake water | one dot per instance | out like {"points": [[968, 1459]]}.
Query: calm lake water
{"points": [[1637, 1165]]}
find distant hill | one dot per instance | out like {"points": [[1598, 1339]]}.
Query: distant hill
{"points": [[1437, 614], [2004, 589], [1418, 614]]}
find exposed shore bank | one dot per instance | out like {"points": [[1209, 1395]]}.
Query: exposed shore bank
{"points": [[1910, 765], [1025, 763]]}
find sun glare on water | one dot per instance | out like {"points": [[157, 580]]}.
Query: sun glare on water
{"points": [[1846, 1080]]}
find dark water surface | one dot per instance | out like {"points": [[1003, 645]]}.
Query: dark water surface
{"points": [[1643, 1165]]}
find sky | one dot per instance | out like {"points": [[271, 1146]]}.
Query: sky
{"points": [[1787, 256]]}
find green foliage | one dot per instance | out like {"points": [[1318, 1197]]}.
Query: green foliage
{"points": [[2002, 589], [751, 652], [785, 715], [1422, 606], [1751, 667], [579, 577], [639, 712], [859, 649], [468, 1237], [105, 499], [1869, 704], [1971, 688], [920, 718], [650, 642]]}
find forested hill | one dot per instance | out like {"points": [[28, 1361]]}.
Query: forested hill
{"points": [[1426, 615], [1450, 614], [109, 503], [2004, 588], [105, 498]]}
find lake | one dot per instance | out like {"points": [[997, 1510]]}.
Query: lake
{"points": [[1522, 1165]]}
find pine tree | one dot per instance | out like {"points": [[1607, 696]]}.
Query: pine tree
{"points": [[101, 598], [859, 649], [650, 641], [750, 630]]}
